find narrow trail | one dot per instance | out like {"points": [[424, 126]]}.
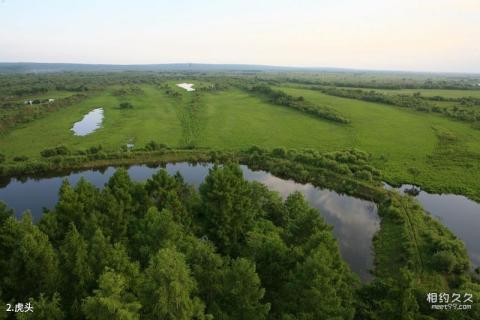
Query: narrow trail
{"points": [[413, 235], [189, 115]]}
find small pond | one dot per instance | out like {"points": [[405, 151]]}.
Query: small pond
{"points": [[90, 122], [458, 213], [355, 221], [186, 86]]}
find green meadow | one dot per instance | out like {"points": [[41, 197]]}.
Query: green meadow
{"points": [[401, 141]]}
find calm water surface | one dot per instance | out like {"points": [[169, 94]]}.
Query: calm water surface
{"points": [[90, 122], [355, 221]]}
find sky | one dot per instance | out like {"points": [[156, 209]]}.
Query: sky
{"points": [[410, 35]]}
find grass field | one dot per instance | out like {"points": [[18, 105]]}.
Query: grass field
{"points": [[445, 153], [401, 139]]}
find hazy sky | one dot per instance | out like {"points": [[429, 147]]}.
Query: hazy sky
{"points": [[423, 35]]}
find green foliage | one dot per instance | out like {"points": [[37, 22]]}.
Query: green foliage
{"points": [[5, 212], [227, 218], [111, 300], [77, 274], [20, 158], [241, 294], [167, 291], [125, 105], [25, 250], [45, 308], [154, 146], [156, 230], [148, 251], [57, 151]]}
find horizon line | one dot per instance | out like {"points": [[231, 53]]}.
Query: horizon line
{"points": [[305, 68]]}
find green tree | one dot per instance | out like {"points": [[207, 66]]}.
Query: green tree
{"points": [[274, 262], [99, 250], [322, 287], [167, 192], [77, 275], [167, 291], [27, 259], [5, 212], [111, 300], [241, 296], [207, 268], [78, 206], [154, 231], [228, 210], [44, 308]]}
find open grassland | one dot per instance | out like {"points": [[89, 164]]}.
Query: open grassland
{"points": [[445, 153], [426, 149], [154, 117]]}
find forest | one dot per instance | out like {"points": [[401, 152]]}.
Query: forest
{"points": [[160, 250]]}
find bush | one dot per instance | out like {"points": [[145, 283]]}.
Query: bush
{"points": [[95, 149], [125, 105], [154, 146], [20, 158], [364, 175], [444, 261], [2, 157], [57, 151], [279, 152]]}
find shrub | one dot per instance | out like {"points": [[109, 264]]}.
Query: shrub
{"points": [[95, 149], [364, 175], [125, 105], [279, 152], [20, 158], [444, 261], [2, 157], [153, 146], [57, 151]]}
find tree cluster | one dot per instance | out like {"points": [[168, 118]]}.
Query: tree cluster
{"points": [[161, 250]]}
